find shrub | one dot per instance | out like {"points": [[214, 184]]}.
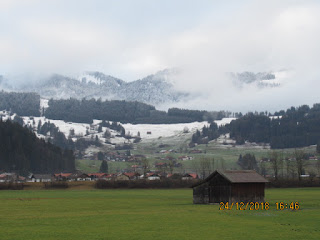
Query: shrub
{"points": [[142, 183], [11, 186]]}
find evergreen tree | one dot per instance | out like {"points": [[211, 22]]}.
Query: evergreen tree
{"points": [[100, 156], [104, 167]]}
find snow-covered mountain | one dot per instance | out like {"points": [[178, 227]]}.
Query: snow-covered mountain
{"points": [[157, 89], [154, 89]]}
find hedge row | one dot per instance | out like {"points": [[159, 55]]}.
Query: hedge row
{"points": [[165, 183]]}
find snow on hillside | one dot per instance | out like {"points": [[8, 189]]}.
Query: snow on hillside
{"points": [[89, 78], [161, 130], [147, 131], [80, 129], [168, 130], [224, 121]]}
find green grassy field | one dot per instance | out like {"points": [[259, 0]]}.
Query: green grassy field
{"points": [[93, 166], [151, 214]]}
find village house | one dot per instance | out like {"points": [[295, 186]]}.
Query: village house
{"points": [[40, 178], [79, 176], [11, 177], [127, 176], [122, 177], [98, 176], [133, 175], [62, 176], [153, 176], [190, 176], [8, 177], [230, 186]]}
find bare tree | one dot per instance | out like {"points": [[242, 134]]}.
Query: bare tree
{"points": [[205, 166], [300, 162], [171, 165], [263, 170], [145, 166], [195, 166], [274, 159], [281, 168], [290, 169]]}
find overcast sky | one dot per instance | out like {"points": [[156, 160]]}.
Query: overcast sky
{"points": [[205, 39]]}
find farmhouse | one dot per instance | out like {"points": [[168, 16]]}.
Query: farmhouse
{"points": [[230, 186], [41, 178]]}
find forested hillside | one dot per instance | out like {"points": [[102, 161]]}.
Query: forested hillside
{"points": [[297, 127], [23, 104], [22, 151], [73, 110]]}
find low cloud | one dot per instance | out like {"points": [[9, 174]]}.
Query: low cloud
{"points": [[255, 37]]}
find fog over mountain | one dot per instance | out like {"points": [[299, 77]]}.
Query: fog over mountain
{"points": [[238, 56], [154, 89]]}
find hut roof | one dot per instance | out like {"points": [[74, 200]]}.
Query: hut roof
{"points": [[237, 176], [243, 176]]}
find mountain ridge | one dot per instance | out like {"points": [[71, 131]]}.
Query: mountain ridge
{"points": [[153, 89]]}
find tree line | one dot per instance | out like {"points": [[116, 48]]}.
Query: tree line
{"points": [[73, 110]]}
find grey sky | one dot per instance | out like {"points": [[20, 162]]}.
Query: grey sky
{"points": [[131, 39]]}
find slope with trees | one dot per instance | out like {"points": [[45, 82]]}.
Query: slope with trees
{"points": [[23, 104], [22, 151]]}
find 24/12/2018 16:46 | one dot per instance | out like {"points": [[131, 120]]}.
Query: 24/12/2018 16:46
{"points": [[258, 206]]}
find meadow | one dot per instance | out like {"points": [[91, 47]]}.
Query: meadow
{"points": [[152, 214]]}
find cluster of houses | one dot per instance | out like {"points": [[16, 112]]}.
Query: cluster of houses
{"points": [[114, 156], [11, 177], [79, 176]]}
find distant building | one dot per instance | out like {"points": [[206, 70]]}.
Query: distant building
{"points": [[41, 178], [190, 176], [153, 176], [230, 186], [98, 176], [132, 175], [62, 176]]}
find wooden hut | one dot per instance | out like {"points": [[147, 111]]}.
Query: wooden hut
{"points": [[230, 186]]}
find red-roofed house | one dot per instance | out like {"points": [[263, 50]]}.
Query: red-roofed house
{"points": [[190, 176], [97, 176], [62, 176], [153, 176], [132, 175]]}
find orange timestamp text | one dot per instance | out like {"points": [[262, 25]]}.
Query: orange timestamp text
{"points": [[259, 206]]}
